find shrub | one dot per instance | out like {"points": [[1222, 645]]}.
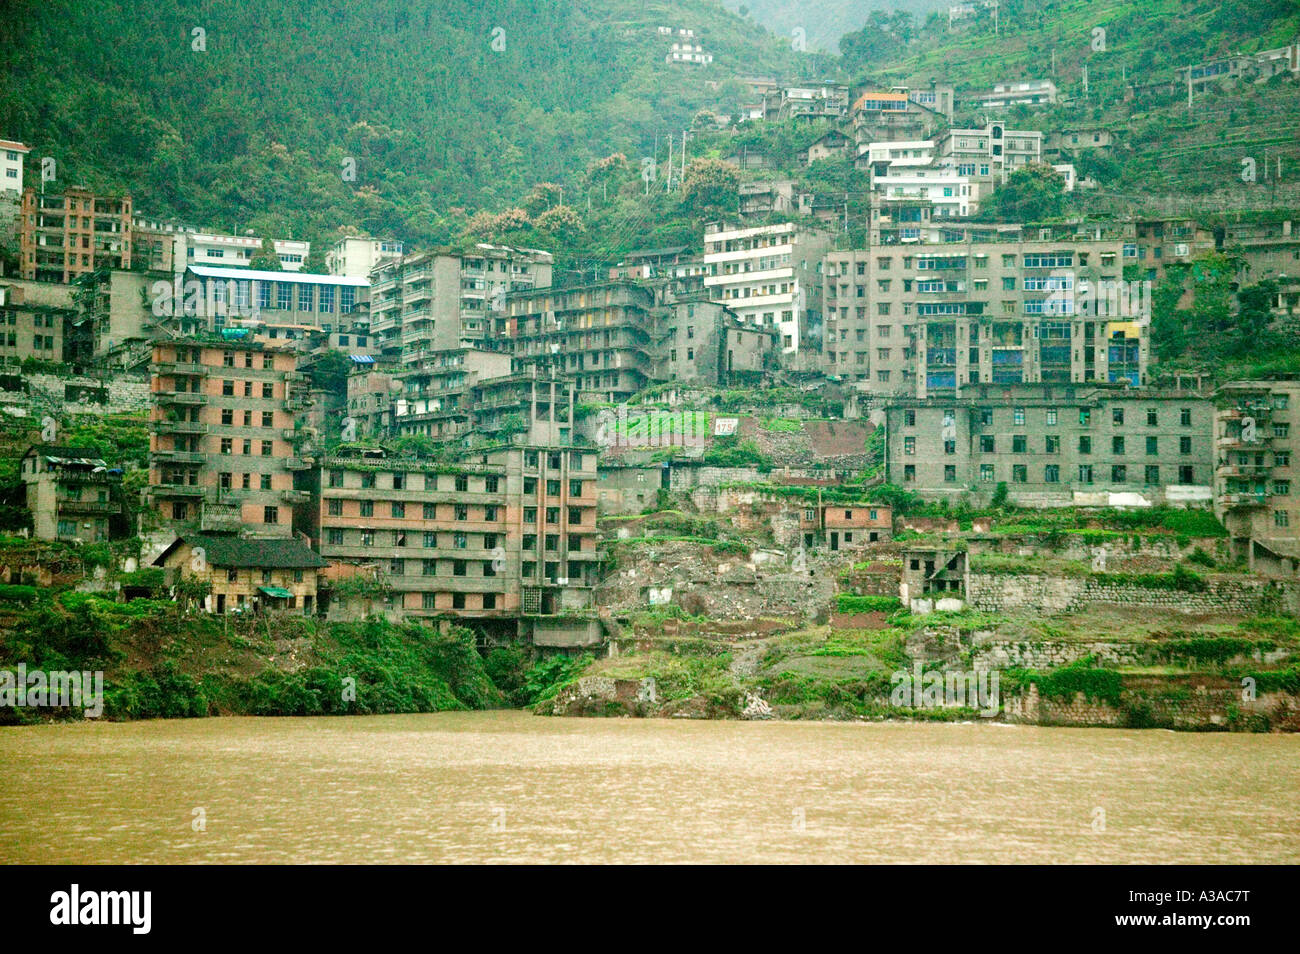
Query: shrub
{"points": [[848, 603]]}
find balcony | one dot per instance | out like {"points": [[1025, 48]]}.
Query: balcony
{"points": [[186, 398], [178, 427], [179, 457], [1244, 501], [73, 505], [296, 496], [1244, 470], [178, 490], [179, 367], [297, 463]]}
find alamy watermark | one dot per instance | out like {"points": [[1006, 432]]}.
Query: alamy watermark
{"points": [[235, 297], [919, 689], [39, 688], [1072, 295]]}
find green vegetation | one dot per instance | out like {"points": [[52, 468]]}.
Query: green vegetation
{"points": [[848, 603], [159, 665], [1096, 684]]}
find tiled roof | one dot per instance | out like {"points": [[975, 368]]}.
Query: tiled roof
{"points": [[286, 553]]}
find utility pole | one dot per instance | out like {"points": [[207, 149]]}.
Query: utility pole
{"points": [[1085, 80], [1189, 89], [682, 178], [669, 186]]}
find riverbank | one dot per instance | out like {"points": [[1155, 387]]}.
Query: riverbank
{"points": [[1103, 669]]}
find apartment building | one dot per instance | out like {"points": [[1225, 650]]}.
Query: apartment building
{"points": [[115, 323], [704, 342], [988, 155], [899, 114], [1155, 243], [1055, 445], [436, 400], [828, 102], [1256, 483], [62, 236], [1065, 143], [1021, 93], [247, 574], [223, 442], [648, 263], [357, 256], [72, 493], [170, 246], [505, 532], [28, 327], [11, 166], [769, 275], [599, 337], [941, 308], [428, 302]]}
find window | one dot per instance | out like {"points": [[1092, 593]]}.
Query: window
{"points": [[1018, 416], [1153, 417], [334, 536], [268, 419], [986, 444], [462, 483], [552, 488], [909, 445], [1152, 474], [304, 298], [462, 512], [429, 568], [552, 514], [429, 601], [430, 540], [950, 472], [430, 511], [491, 483], [575, 488], [460, 540], [1085, 473], [1117, 445], [530, 515], [1019, 473], [1185, 417], [1118, 474], [1153, 446], [335, 508], [1085, 416], [398, 509], [1186, 474], [1019, 444], [1281, 458], [489, 512], [458, 567], [1184, 445], [1052, 444], [268, 390], [986, 473], [1117, 416], [909, 473], [1281, 518], [1052, 474], [270, 514], [267, 449]]}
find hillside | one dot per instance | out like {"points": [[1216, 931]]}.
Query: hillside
{"points": [[826, 21], [1164, 149], [249, 123]]}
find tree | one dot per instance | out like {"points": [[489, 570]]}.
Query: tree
{"points": [[710, 186], [1033, 193], [266, 259]]}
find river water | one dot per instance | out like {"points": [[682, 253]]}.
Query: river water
{"points": [[512, 787]]}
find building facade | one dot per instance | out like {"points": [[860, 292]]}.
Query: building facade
{"points": [[72, 494], [1055, 445], [223, 443], [63, 235]]}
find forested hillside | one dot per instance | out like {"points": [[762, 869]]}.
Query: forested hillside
{"points": [[446, 106]]}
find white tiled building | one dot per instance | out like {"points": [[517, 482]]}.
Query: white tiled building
{"points": [[11, 166]]}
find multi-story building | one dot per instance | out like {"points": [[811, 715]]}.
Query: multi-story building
{"points": [[945, 307], [704, 342], [1156, 243], [357, 256], [65, 235], [28, 327], [222, 451], [115, 323], [987, 156], [247, 574], [72, 494], [827, 146], [688, 51], [1021, 93], [599, 337], [507, 531], [769, 275], [278, 305], [170, 246], [11, 166], [436, 399], [428, 302], [899, 113], [1055, 445], [1256, 483]]}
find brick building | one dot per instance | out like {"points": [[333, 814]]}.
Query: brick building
{"points": [[72, 493], [221, 452], [64, 235], [247, 575]]}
